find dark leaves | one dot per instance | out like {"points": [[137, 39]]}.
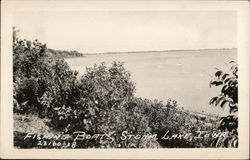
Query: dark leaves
{"points": [[232, 62], [233, 108], [223, 89], [216, 83], [228, 96], [224, 76], [223, 103], [213, 100], [228, 123], [219, 100], [218, 73]]}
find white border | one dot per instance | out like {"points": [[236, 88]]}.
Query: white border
{"points": [[7, 150]]}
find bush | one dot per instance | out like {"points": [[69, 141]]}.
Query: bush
{"points": [[30, 68], [40, 82], [228, 97]]}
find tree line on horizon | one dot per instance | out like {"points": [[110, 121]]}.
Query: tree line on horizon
{"points": [[64, 53]]}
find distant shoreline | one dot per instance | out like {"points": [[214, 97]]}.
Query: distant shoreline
{"points": [[157, 51]]}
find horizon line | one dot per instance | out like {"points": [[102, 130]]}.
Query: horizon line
{"points": [[141, 51]]}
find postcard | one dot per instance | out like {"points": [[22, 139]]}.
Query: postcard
{"points": [[125, 79]]}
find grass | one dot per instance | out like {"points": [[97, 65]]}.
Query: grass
{"points": [[31, 124], [24, 124]]}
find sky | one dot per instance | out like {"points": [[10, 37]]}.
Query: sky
{"points": [[121, 31]]}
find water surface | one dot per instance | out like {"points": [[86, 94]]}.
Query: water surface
{"points": [[180, 75]]}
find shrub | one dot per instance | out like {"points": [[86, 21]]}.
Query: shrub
{"points": [[228, 97], [30, 69], [40, 82]]}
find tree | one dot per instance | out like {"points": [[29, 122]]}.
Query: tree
{"points": [[40, 82], [102, 90], [228, 97], [30, 72]]}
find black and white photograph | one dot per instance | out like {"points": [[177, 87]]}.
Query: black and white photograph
{"points": [[125, 79]]}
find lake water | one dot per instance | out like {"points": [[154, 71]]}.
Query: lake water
{"points": [[180, 75]]}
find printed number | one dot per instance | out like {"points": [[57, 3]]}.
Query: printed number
{"points": [[45, 143], [54, 144], [73, 145], [39, 143], [59, 144]]}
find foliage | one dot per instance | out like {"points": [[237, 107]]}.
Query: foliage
{"points": [[228, 97], [59, 54], [229, 140], [30, 72], [229, 91], [40, 83]]}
